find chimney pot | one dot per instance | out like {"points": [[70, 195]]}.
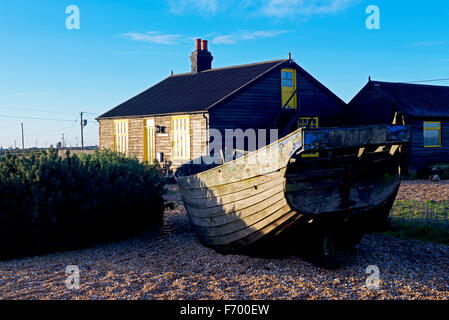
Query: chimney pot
{"points": [[198, 45], [204, 46], [201, 58]]}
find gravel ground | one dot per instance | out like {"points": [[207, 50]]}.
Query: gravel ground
{"points": [[424, 190], [170, 263]]}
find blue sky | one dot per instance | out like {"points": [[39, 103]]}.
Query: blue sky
{"points": [[48, 74]]}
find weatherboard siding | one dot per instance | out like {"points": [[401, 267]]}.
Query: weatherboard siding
{"points": [[373, 106], [421, 157], [370, 106], [313, 102], [255, 107]]}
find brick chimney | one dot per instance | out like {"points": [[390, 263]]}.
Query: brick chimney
{"points": [[201, 58]]}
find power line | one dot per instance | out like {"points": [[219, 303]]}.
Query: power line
{"points": [[35, 118], [50, 131], [41, 133], [32, 109], [432, 80], [40, 110]]}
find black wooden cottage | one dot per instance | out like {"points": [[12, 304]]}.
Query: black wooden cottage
{"points": [[426, 112], [161, 122]]}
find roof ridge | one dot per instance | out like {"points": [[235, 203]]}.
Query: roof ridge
{"points": [[410, 84], [279, 62], [231, 67]]}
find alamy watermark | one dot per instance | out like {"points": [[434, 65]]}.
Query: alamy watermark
{"points": [[73, 280], [73, 20], [234, 144], [373, 20], [373, 280]]}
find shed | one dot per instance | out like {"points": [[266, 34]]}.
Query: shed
{"points": [[426, 112]]}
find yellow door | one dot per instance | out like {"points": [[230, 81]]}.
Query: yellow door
{"points": [[288, 82], [149, 141]]}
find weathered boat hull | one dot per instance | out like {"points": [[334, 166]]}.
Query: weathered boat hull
{"points": [[239, 204]]}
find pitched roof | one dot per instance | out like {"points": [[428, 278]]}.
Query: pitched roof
{"points": [[192, 92], [416, 99]]}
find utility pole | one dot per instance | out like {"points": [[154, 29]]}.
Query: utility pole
{"points": [[23, 141], [82, 127]]}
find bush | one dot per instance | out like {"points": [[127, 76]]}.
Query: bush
{"points": [[445, 175], [412, 174], [48, 203]]}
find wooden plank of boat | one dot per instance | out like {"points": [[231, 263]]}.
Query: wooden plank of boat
{"points": [[241, 224], [276, 155], [227, 223], [272, 229], [229, 188], [233, 201], [239, 206], [261, 162], [241, 201], [248, 230], [306, 199], [213, 199]]}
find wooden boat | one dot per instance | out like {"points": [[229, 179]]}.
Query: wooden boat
{"points": [[248, 202]]}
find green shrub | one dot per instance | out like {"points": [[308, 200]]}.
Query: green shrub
{"points": [[445, 175], [48, 203], [412, 174]]}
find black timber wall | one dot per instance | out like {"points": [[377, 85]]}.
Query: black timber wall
{"points": [[370, 106], [257, 106], [314, 102], [421, 158]]}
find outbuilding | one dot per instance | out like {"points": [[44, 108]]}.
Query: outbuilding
{"points": [[425, 109]]}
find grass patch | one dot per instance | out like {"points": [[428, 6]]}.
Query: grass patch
{"points": [[419, 230], [421, 220], [420, 209]]}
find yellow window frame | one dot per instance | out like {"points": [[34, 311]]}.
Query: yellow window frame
{"points": [[121, 131], [302, 122], [287, 91], [180, 133], [433, 128]]}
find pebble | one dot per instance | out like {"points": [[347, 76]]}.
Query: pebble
{"points": [[170, 263]]}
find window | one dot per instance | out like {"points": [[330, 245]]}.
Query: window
{"points": [[288, 85], [313, 123], [432, 134], [121, 136], [304, 121], [181, 138], [287, 78]]}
